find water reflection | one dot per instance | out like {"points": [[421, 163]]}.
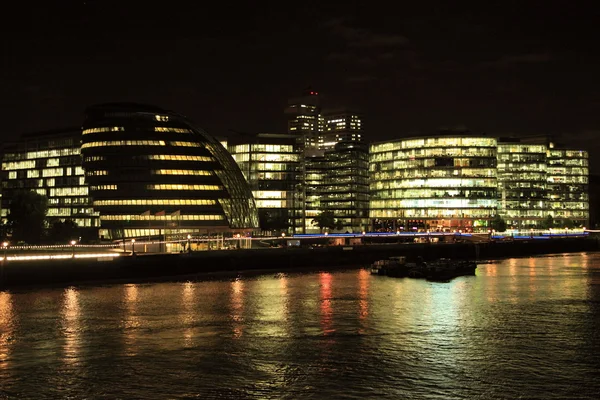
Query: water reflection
{"points": [[237, 308], [6, 328], [131, 320], [363, 298], [325, 281], [71, 326], [521, 328], [188, 317]]}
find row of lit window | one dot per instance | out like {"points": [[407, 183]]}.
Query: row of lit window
{"points": [[173, 130], [139, 143], [434, 203], [432, 213], [178, 157], [69, 191], [433, 142], [434, 183], [155, 202], [271, 203], [103, 187], [521, 148], [183, 187], [433, 153], [103, 129], [181, 172], [43, 154], [201, 217], [67, 212]]}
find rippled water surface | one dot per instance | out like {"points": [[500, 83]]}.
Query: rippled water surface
{"points": [[521, 328]]}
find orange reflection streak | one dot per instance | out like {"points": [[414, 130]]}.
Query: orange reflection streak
{"points": [[188, 318], [71, 321], [6, 328], [132, 321], [325, 279], [363, 293], [237, 308]]}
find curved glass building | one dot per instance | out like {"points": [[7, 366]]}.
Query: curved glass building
{"points": [[439, 183], [151, 173]]}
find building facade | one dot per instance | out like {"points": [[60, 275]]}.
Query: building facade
{"points": [[439, 183], [462, 182], [49, 163], [151, 173], [270, 163]]}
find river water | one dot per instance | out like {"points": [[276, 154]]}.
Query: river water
{"points": [[520, 328]]}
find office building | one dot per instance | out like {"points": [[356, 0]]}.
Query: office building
{"points": [[49, 163], [152, 173], [270, 163]]}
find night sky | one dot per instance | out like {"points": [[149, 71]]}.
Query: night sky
{"points": [[509, 68]]}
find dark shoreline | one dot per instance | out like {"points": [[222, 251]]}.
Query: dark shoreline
{"points": [[227, 264]]}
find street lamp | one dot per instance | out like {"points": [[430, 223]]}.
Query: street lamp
{"points": [[189, 245], [5, 247], [132, 247], [73, 248]]}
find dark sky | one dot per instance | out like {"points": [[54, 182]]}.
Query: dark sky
{"points": [[522, 67]]}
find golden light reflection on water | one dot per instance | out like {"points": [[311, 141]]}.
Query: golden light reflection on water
{"points": [[237, 308], [188, 317], [71, 325], [325, 281], [131, 321], [6, 328]]}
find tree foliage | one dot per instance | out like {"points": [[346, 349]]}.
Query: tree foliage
{"points": [[498, 224], [63, 231], [326, 219], [548, 222], [27, 216]]}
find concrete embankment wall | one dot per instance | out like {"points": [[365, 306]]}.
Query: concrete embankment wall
{"points": [[138, 268]]}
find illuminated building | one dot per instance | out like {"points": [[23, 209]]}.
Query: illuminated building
{"points": [[305, 120], [453, 181], [522, 191], [568, 183], [438, 182], [49, 163], [152, 173], [344, 188], [340, 126], [270, 162]]}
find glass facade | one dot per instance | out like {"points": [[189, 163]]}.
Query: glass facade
{"points": [[49, 164], [568, 174], [462, 182], [344, 186], [270, 164], [151, 173], [522, 191], [438, 183]]}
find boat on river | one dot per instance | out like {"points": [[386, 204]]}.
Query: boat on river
{"points": [[443, 269]]}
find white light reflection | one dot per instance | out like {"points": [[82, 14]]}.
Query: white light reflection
{"points": [[188, 319], [237, 308], [131, 320], [71, 324], [7, 326]]}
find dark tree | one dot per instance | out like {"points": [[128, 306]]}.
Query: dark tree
{"points": [[63, 232], [326, 219], [27, 216], [548, 222], [498, 224]]}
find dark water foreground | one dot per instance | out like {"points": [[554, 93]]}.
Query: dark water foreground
{"points": [[144, 268], [521, 328]]}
